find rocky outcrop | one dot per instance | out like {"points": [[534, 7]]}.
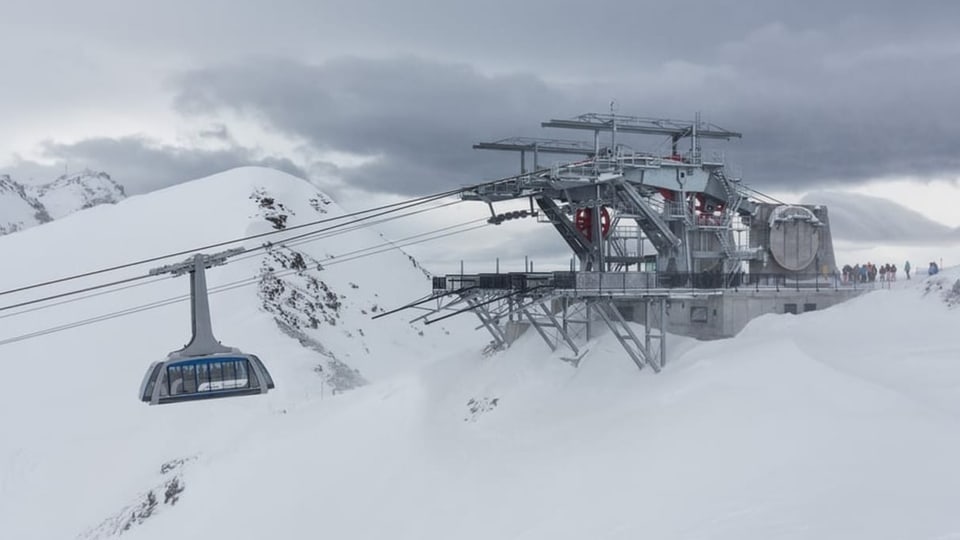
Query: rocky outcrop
{"points": [[24, 206]]}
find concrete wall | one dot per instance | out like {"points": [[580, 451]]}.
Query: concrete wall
{"points": [[724, 315]]}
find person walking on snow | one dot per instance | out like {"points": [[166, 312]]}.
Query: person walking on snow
{"points": [[906, 268]]}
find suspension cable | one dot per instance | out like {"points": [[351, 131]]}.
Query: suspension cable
{"points": [[145, 276], [79, 298], [237, 284], [408, 203], [762, 194], [245, 256]]}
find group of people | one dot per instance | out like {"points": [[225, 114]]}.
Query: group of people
{"points": [[868, 272]]}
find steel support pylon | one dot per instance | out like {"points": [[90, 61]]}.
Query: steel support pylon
{"points": [[625, 335], [202, 341]]}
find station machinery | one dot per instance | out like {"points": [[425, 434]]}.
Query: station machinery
{"points": [[674, 210], [646, 228]]}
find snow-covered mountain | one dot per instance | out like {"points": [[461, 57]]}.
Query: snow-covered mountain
{"points": [[841, 423], [70, 193], [23, 206], [18, 208]]}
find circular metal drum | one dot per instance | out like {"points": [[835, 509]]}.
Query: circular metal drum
{"points": [[794, 237]]}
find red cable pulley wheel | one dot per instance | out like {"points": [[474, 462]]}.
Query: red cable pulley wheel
{"points": [[583, 221]]}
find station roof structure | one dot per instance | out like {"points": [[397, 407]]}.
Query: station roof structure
{"points": [[677, 129], [546, 146]]}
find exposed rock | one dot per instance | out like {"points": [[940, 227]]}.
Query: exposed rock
{"points": [[23, 206]]}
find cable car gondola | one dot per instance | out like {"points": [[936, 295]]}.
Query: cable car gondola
{"points": [[204, 368]]}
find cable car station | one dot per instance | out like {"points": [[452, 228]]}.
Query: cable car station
{"points": [[665, 238]]}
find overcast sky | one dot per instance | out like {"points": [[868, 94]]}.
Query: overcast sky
{"points": [[388, 97]]}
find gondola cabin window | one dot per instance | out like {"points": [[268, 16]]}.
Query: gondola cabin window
{"points": [[208, 376]]}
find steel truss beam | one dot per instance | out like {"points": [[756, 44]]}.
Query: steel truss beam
{"points": [[621, 330], [459, 299], [660, 335], [417, 303], [546, 146], [554, 323], [581, 246], [648, 126], [648, 219], [489, 322], [493, 306], [551, 322]]}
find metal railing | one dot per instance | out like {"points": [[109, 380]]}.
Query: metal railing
{"points": [[626, 282]]}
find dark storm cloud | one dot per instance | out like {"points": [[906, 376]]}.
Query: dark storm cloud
{"points": [[872, 220], [561, 35], [811, 114], [823, 91], [419, 117], [142, 165]]}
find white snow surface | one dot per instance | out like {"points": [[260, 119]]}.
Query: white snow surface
{"points": [[18, 209], [71, 193], [24, 206], [841, 423]]}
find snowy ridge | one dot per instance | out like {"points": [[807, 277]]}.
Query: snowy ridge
{"points": [[841, 423], [24, 206], [71, 193], [18, 209]]}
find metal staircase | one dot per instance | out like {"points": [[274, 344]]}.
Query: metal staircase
{"points": [[733, 255], [648, 219]]}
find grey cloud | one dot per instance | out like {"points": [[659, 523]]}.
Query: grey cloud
{"points": [[823, 91], [567, 36], [143, 165], [420, 117], [217, 132], [833, 116], [864, 219]]}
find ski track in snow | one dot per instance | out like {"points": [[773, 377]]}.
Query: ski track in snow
{"points": [[840, 423]]}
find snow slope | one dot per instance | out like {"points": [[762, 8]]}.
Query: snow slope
{"points": [[74, 435], [840, 423], [798, 429]]}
